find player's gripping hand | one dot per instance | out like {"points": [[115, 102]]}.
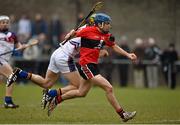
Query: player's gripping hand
{"points": [[103, 53], [70, 34], [132, 57]]}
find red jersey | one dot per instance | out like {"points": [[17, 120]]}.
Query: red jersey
{"points": [[92, 40]]}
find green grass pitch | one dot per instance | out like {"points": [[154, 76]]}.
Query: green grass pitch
{"points": [[160, 105]]}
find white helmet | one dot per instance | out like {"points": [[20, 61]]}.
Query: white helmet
{"points": [[3, 17]]}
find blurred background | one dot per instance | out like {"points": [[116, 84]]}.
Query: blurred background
{"points": [[150, 28]]}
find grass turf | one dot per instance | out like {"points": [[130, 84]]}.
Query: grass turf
{"points": [[156, 106]]}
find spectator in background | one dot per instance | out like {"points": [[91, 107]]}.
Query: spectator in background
{"points": [[139, 67], [168, 59], [56, 30], [24, 29], [40, 30], [13, 24], [152, 55], [80, 18], [39, 26], [14, 28], [108, 66], [123, 68]]}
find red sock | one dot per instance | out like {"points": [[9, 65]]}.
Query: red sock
{"points": [[120, 112]]}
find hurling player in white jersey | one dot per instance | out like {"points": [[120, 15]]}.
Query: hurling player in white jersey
{"points": [[8, 41]]}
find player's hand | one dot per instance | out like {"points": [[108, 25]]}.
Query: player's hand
{"points": [[132, 56], [103, 53], [23, 46], [70, 34]]}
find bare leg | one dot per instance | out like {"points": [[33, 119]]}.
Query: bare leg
{"points": [[6, 70], [46, 82], [74, 79], [81, 92], [67, 88], [51, 78], [104, 84]]}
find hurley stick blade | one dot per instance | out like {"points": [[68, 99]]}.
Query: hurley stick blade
{"points": [[97, 6]]}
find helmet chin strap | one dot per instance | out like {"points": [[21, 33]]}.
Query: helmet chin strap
{"points": [[101, 28], [102, 25]]}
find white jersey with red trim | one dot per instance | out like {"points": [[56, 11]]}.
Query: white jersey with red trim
{"points": [[62, 58], [71, 48], [7, 41]]}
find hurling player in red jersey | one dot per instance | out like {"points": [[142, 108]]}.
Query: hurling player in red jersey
{"points": [[7, 42], [61, 62], [93, 38]]}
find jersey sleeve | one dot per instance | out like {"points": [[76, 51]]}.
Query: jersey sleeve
{"points": [[110, 41], [14, 37], [80, 32], [11, 37]]}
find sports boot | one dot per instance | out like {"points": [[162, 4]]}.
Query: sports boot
{"points": [[128, 116], [13, 77]]}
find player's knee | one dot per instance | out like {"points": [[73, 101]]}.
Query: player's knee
{"points": [[109, 89], [47, 85], [75, 87], [82, 94]]}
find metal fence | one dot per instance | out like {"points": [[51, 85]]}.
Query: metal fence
{"points": [[149, 74]]}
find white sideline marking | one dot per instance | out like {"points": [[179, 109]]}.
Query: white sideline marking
{"points": [[164, 121]]}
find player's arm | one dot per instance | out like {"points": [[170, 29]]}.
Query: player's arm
{"points": [[103, 53], [13, 37], [120, 51], [111, 43], [18, 45], [72, 33]]}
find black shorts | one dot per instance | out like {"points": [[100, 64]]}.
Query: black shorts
{"points": [[88, 71]]}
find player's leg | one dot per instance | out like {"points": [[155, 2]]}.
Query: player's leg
{"points": [[46, 82], [69, 70], [74, 78], [6, 70], [107, 87], [67, 67], [81, 92], [52, 74], [87, 72], [48, 95], [74, 81]]}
